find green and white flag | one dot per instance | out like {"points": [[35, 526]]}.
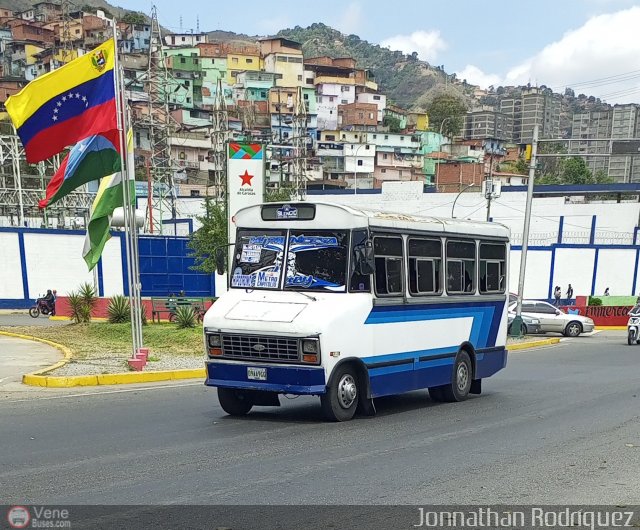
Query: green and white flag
{"points": [[109, 198]]}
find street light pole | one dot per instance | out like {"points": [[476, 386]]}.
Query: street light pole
{"points": [[457, 196], [516, 325]]}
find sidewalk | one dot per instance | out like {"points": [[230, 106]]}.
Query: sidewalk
{"points": [[18, 357]]}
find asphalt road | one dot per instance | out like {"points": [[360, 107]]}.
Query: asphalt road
{"points": [[23, 319], [559, 425]]}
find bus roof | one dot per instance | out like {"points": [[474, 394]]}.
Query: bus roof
{"points": [[332, 216]]}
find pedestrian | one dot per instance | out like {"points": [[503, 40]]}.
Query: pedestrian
{"points": [[569, 294], [557, 294], [606, 292]]}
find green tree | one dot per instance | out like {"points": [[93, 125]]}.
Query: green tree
{"points": [[575, 171], [133, 17], [446, 114], [601, 177], [551, 166], [393, 123], [522, 166], [213, 234], [282, 194]]}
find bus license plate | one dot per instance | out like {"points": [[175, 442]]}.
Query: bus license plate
{"points": [[257, 374]]}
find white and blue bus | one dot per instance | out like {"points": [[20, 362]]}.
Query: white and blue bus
{"points": [[350, 304]]}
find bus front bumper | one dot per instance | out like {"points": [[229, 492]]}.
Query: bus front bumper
{"points": [[292, 379]]}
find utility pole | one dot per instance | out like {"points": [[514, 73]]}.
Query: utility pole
{"points": [[299, 134], [219, 137], [516, 325], [159, 124], [66, 44], [489, 186]]}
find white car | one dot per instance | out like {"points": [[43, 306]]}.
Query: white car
{"points": [[553, 319]]}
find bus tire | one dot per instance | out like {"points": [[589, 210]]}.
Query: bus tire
{"points": [[340, 401], [234, 402], [462, 377]]}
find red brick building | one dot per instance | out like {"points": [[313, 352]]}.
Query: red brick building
{"points": [[454, 176], [357, 114]]}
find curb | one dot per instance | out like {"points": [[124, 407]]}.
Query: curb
{"points": [[532, 344], [39, 378], [68, 319], [50, 381], [609, 328]]}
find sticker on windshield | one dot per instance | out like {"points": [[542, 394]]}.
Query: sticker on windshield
{"points": [[243, 280], [250, 254], [267, 279]]}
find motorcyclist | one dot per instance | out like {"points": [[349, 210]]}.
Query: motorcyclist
{"points": [[50, 300]]}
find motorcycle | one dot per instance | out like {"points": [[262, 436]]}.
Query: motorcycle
{"points": [[633, 326], [41, 306]]}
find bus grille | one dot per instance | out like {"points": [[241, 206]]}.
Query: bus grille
{"points": [[258, 347]]}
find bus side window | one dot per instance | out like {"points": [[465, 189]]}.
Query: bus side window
{"points": [[388, 256], [425, 266], [461, 267], [359, 283], [492, 267]]}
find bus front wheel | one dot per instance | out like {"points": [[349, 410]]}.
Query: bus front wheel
{"points": [[462, 378], [340, 401], [234, 402]]}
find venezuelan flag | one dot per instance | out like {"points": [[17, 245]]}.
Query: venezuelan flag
{"points": [[67, 105]]}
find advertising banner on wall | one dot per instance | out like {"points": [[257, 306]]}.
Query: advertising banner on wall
{"points": [[245, 178]]}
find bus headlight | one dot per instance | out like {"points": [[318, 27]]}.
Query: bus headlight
{"points": [[310, 350], [214, 343]]}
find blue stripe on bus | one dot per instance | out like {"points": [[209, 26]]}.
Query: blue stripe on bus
{"points": [[486, 317], [415, 355], [393, 380], [292, 379]]}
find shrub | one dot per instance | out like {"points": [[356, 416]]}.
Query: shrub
{"points": [[88, 295], [80, 311], [185, 317], [595, 301], [119, 310]]}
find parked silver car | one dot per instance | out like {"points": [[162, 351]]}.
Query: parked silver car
{"points": [[554, 320], [530, 325]]}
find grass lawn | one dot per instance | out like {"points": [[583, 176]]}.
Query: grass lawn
{"points": [[102, 339]]}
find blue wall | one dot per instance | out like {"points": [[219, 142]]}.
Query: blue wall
{"points": [[165, 268]]}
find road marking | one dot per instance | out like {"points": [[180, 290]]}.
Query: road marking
{"points": [[96, 393]]}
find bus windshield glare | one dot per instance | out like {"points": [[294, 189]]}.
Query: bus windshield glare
{"points": [[315, 260]]}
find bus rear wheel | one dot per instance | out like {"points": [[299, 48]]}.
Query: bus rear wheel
{"points": [[340, 401], [234, 402], [460, 385]]}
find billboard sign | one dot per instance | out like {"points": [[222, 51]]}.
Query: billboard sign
{"points": [[625, 147], [245, 178]]}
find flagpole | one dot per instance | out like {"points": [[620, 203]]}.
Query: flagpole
{"points": [[134, 223], [126, 207]]}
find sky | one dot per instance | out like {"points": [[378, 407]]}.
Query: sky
{"points": [[592, 46]]}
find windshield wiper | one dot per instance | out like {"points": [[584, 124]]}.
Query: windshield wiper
{"points": [[305, 294]]}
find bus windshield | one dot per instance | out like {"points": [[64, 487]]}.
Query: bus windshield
{"points": [[316, 260], [257, 261]]}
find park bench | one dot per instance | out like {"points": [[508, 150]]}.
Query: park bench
{"points": [[168, 306]]}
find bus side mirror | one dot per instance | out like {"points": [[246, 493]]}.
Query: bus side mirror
{"points": [[364, 260], [221, 261]]}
